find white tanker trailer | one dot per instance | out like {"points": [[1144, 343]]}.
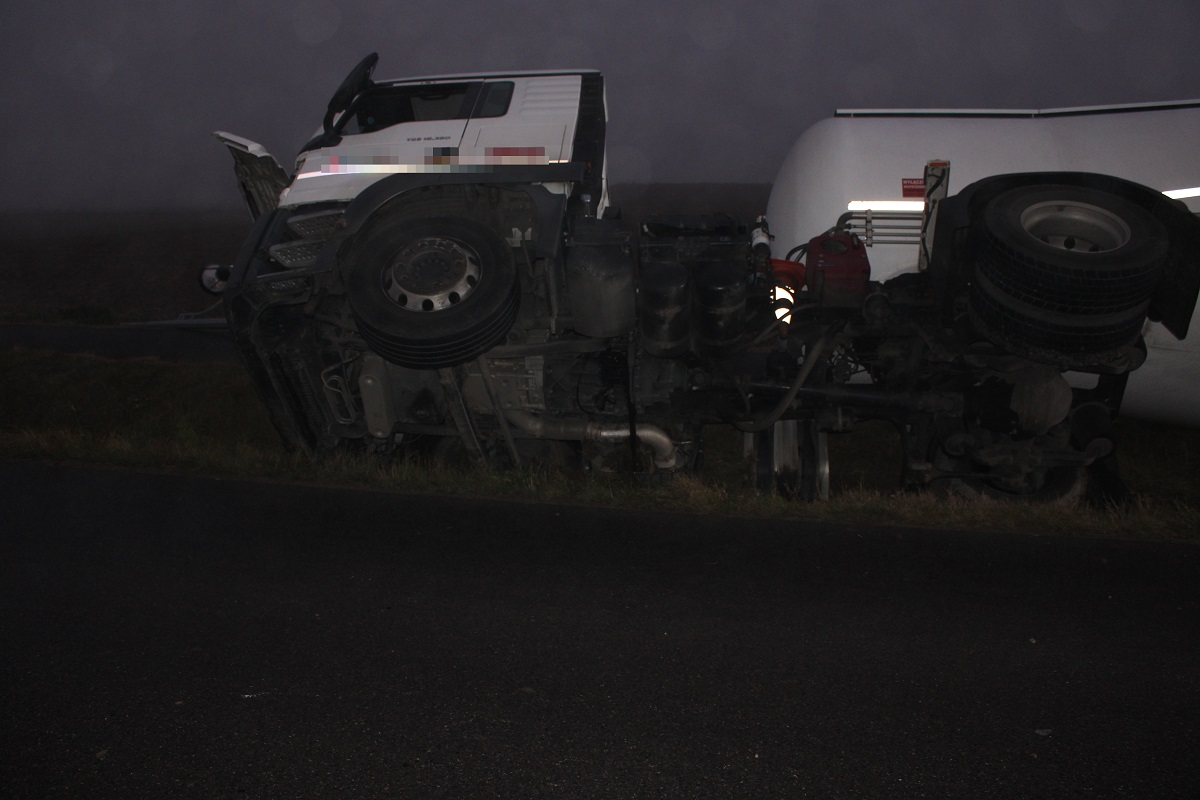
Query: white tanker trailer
{"points": [[873, 160], [442, 273]]}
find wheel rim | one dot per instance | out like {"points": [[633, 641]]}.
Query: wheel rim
{"points": [[431, 274], [1075, 227]]}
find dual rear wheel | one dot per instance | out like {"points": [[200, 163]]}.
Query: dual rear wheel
{"points": [[1065, 274]]}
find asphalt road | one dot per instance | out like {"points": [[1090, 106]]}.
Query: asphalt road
{"points": [[174, 637]]}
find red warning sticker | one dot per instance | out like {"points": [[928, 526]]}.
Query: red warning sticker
{"points": [[913, 187]]}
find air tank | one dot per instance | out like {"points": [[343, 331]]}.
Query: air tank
{"points": [[664, 295], [720, 297]]}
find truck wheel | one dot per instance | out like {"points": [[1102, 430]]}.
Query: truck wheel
{"points": [[1064, 274], [431, 293]]}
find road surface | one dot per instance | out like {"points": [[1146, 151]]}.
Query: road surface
{"points": [[166, 636]]}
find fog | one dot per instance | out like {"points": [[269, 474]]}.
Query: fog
{"points": [[111, 103]]}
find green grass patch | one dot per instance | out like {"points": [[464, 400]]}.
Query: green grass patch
{"points": [[206, 419]]}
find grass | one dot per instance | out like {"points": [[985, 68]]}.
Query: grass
{"points": [[206, 419]]}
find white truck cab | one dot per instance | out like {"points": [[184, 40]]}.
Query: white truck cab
{"points": [[435, 125]]}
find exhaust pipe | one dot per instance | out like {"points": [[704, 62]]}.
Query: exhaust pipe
{"points": [[666, 455]]}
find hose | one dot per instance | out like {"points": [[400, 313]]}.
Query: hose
{"points": [[796, 251], [810, 361]]}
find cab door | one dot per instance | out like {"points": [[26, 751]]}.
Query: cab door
{"points": [[388, 130], [410, 121], [523, 120]]}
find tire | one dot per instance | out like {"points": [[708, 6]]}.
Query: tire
{"points": [[431, 293], [1064, 274]]}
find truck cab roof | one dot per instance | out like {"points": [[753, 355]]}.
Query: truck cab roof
{"points": [[483, 76]]}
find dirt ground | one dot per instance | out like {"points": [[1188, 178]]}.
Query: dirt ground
{"points": [[115, 267]]}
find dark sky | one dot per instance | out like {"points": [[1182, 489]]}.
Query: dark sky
{"points": [[110, 103]]}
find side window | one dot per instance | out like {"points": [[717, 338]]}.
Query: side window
{"points": [[385, 107], [494, 100], [433, 103]]}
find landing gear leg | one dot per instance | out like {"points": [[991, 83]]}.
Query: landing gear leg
{"points": [[792, 459]]}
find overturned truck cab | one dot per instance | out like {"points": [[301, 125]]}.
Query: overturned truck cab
{"points": [[442, 272]]}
